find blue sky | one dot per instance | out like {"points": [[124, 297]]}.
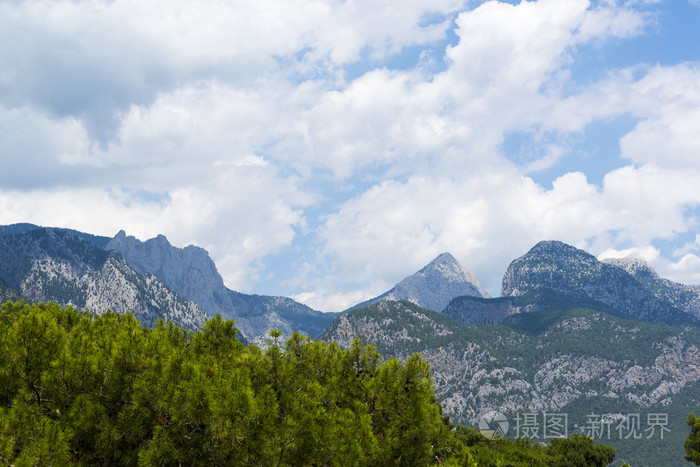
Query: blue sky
{"points": [[324, 150]]}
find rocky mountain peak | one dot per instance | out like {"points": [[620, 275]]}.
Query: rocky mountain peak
{"points": [[546, 261], [446, 269], [681, 296], [554, 250], [434, 285], [626, 287], [190, 272]]}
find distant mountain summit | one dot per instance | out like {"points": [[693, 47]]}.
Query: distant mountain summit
{"points": [[555, 269], [189, 271], [434, 286], [192, 274]]}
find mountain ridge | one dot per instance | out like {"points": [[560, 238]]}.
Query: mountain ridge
{"points": [[574, 361], [80, 269], [553, 273], [191, 273]]}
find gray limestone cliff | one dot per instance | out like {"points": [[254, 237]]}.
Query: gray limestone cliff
{"points": [[57, 265], [189, 271], [434, 286], [192, 274]]}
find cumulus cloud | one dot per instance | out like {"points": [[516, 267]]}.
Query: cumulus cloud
{"points": [[239, 213], [235, 126], [94, 60], [684, 268]]}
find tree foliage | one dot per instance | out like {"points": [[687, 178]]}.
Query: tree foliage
{"points": [[692, 442], [76, 388]]}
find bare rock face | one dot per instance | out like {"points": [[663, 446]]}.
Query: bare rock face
{"points": [[435, 285], [192, 274], [189, 271], [56, 265]]}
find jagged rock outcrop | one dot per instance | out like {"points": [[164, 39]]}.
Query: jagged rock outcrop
{"points": [[434, 286], [192, 274], [189, 271], [57, 265]]}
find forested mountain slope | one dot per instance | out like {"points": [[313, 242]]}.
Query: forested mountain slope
{"points": [[577, 361]]}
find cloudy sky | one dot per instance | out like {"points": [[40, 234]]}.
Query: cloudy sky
{"points": [[325, 149]]}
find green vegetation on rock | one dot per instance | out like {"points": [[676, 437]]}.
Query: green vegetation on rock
{"points": [[692, 442]]}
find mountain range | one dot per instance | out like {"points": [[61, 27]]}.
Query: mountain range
{"points": [[593, 340], [568, 334], [553, 275], [151, 279]]}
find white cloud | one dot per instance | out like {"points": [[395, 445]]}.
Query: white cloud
{"points": [[647, 253], [611, 20], [239, 213], [93, 60], [686, 270], [488, 218], [232, 114], [688, 247]]}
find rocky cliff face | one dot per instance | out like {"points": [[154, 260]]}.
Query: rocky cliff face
{"points": [[57, 265], [192, 274], [567, 273], [435, 285], [189, 271]]}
